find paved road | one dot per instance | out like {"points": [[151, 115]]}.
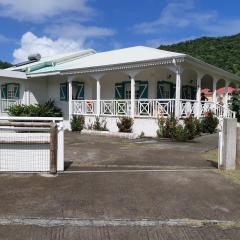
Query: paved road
{"points": [[189, 198], [120, 233], [186, 200]]}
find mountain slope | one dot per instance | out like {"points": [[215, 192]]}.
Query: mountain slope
{"points": [[4, 65], [223, 52]]}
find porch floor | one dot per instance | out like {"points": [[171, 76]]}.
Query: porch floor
{"points": [[85, 152]]}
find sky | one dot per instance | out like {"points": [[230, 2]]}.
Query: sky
{"points": [[51, 27]]}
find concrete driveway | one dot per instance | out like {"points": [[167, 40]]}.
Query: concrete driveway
{"points": [[94, 152]]}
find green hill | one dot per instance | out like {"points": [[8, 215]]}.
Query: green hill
{"points": [[223, 52], [4, 65]]}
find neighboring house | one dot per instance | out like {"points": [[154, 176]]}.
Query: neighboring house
{"points": [[139, 82]]}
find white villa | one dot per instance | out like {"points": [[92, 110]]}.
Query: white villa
{"points": [[140, 82]]}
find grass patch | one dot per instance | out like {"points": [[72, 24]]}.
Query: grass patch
{"points": [[211, 155], [232, 175]]}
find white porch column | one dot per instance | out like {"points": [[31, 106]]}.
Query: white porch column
{"points": [[226, 98], [26, 93], [178, 93], [215, 90], [98, 96], [198, 96], [132, 97], [70, 108]]}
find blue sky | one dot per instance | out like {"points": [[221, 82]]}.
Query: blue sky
{"points": [[58, 26]]}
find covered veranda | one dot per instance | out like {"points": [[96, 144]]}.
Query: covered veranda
{"points": [[150, 92]]}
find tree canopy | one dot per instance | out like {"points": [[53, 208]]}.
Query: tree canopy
{"points": [[4, 65], [223, 52]]}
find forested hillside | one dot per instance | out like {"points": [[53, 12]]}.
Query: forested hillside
{"points": [[223, 52], [4, 65]]}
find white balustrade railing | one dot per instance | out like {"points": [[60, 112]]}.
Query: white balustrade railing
{"points": [[188, 107], [219, 110], [84, 107], [154, 107], [7, 103], [207, 106], [115, 107]]}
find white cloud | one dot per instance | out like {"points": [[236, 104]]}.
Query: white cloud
{"points": [[30, 44], [39, 10], [78, 31], [177, 14]]}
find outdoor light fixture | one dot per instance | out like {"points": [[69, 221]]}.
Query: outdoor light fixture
{"points": [[169, 76]]}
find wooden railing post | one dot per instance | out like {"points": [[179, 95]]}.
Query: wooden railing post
{"points": [[53, 148]]}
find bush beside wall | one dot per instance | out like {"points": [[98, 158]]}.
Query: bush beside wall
{"points": [[209, 123], [125, 124], [77, 123], [190, 128], [49, 109]]}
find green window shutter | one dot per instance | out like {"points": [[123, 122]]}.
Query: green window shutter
{"points": [[80, 91], [143, 89], [160, 89], [4, 91], [119, 91], [16, 91], [64, 91]]}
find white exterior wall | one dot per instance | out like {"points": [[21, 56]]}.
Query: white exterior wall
{"points": [[108, 84], [147, 125], [38, 90], [53, 93]]}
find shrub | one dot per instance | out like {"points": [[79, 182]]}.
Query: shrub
{"points": [[167, 127], [49, 109], [181, 133], [142, 134], [192, 127], [209, 123], [235, 104], [170, 125], [171, 128], [99, 124], [77, 123], [125, 124]]}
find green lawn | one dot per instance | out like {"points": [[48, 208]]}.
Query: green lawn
{"points": [[212, 155]]}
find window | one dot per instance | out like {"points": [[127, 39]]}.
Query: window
{"points": [[78, 91], [10, 91], [64, 91]]}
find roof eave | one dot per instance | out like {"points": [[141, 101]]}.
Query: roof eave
{"points": [[125, 66], [212, 68], [12, 74]]}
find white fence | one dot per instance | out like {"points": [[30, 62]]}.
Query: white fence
{"points": [[6, 103], [31, 144]]}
